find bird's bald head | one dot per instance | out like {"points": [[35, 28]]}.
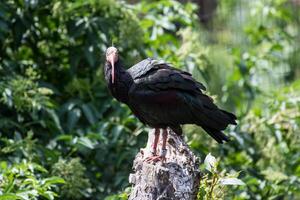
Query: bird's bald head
{"points": [[112, 57], [112, 53]]}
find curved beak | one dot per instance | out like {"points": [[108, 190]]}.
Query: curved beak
{"points": [[111, 59]]}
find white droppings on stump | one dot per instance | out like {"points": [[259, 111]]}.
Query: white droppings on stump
{"points": [[176, 179]]}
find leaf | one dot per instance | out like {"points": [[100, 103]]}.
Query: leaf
{"points": [[45, 91], [210, 163], [53, 180], [231, 181], [49, 195], [39, 168], [88, 112], [55, 119], [89, 55], [27, 195], [86, 142], [73, 117], [64, 137], [9, 196]]}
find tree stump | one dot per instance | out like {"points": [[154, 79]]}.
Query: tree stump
{"points": [[175, 179]]}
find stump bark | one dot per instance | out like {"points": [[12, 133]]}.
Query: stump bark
{"points": [[175, 179]]}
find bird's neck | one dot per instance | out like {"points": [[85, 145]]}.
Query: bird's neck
{"points": [[123, 81]]}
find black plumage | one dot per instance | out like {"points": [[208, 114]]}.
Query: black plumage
{"points": [[162, 96]]}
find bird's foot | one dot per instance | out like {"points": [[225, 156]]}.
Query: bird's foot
{"points": [[155, 158]]}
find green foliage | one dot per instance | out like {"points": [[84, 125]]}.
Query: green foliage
{"points": [[23, 181], [264, 146], [123, 196], [277, 158], [161, 23], [213, 185], [23, 93], [63, 136], [73, 173], [20, 176]]}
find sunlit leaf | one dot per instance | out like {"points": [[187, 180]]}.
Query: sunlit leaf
{"points": [[210, 162], [231, 181]]}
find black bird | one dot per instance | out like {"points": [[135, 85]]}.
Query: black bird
{"points": [[163, 97]]}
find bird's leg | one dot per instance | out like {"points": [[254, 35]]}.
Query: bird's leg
{"points": [[154, 144], [162, 156], [164, 144]]}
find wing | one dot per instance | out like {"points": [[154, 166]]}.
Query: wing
{"points": [[164, 96], [160, 75], [156, 95], [143, 67]]}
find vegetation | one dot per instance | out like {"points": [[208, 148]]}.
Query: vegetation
{"points": [[62, 136]]}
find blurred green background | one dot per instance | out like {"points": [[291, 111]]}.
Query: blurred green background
{"points": [[64, 137]]}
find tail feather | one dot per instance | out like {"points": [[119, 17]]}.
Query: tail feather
{"points": [[231, 117], [208, 114], [212, 119], [218, 135]]}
